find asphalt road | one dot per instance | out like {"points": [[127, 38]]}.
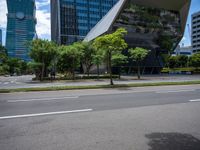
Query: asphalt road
{"points": [[149, 118]]}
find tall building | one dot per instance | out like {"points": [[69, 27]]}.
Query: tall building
{"points": [[0, 37], [196, 32], [20, 27], [155, 25], [71, 20]]}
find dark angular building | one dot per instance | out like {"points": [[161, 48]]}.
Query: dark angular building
{"points": [[71, 20], [20, 27], [155, 25]]}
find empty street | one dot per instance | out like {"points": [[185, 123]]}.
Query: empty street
{"points": [[145, 118]]}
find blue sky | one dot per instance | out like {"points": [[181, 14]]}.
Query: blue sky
{"points": [[195, 7], [43, 19]]}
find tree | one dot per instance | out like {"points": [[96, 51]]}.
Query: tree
{"points": [[173, 62], [97, 60], [195, 60], [166, 43], [3, 54], [138, 54], [44, 52], [87, 57], [111, 44], [4, 68], [182, 60], [117, 60], [34, 67], [14, 65], [70, 57]]}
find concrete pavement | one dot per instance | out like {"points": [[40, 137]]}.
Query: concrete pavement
{"points": [[26, 81]]}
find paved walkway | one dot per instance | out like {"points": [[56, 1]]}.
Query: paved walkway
{"points": [[26, 81]]}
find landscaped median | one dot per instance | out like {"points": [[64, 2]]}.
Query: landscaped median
{"points": [[55, 88]]}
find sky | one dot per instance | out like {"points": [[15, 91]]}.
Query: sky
{"points": [[43, 19]]}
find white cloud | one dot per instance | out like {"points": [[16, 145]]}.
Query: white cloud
{"points": [[43, 23], [41, 3], [43, 18], [3, 12]]}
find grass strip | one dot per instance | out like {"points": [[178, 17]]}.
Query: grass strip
{"points": [[97, 86]]}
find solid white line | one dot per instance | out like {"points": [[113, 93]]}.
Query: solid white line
{"points": [[195, 100], [41, 99], [175, 91], [45, 114]]}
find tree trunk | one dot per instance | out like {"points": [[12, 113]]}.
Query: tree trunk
{"points": [[43, 67], [120, 72], [73, 70], [98, 70], [88, 71], [110, 69], [138, 73]]}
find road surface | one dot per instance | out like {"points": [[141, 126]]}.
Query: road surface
{"points": [[145, 118]]}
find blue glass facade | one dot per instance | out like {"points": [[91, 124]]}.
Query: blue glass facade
{"points": [[20, 27], [75, 18]]}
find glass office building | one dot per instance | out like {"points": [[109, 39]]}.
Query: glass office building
{"points": [[20, 27], [196, 32], [71, 20]]}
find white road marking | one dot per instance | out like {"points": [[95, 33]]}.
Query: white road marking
{"points": [[42, 99], [174, 91], [194, 100], [45, 114]]}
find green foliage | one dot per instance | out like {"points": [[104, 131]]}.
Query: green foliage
{"points": [[165, 43], [11, 65], [138, 54], [97, 60], [3, 54], [4, 69], [111, 44], [165, 59], [187, 69], [173, 62], [179, 61], [16, 65], [70, 57], [182, 60], [44, 52], [35, 67], [195, 60], [118, 59], [88, 55]]}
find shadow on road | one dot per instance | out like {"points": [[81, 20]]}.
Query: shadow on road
{"points": [[172, 141]]}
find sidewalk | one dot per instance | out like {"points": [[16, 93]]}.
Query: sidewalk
{"points": [[26, 82]]}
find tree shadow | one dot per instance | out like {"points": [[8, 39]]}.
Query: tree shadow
{"points": [[172, 141]]}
